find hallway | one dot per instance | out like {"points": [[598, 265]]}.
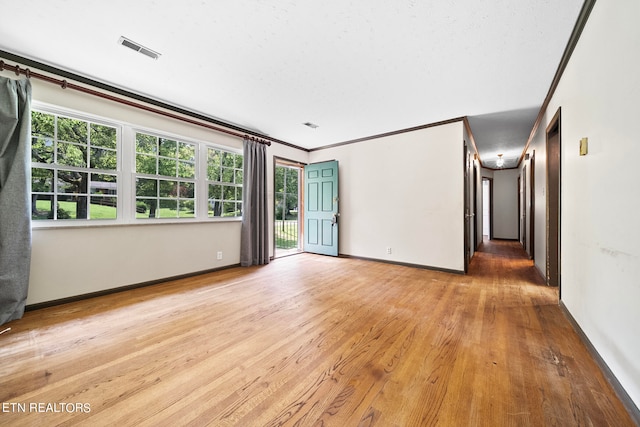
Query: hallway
{"points": [[537, 343]]}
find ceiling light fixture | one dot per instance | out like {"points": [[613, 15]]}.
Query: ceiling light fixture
{"points": [[311, 125], [138, 47], [500, 161]]}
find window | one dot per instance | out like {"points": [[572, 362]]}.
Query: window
{"points": [[224, 180], [74, 168], [78, 165], [165, 177]]}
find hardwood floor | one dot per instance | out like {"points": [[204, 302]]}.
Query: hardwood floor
{"points": [[311, 341]]}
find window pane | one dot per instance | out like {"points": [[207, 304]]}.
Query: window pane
{"points": [[72, 182], [103, 184], [146, 164], [168, 209], [186, 209], [72, 130], [103, 136], [41, 180], [239, 193], [72, 155], [168, 189], [187, 152], [228, 159], [215, 191], [146, 187], [186, 170], [238, 162], [168, 148], [213, 164], [214, 155], [215, 208], [146, 208], [42, 150], [42, 207], [42, 124], [229, 209], [238, 173], [229, 193], [146, 144], [213, 172], [72, 207], [103, 207], [187, 190], [103, 159], [227, 175], [167, 167]]}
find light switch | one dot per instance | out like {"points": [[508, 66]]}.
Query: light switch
{"points": [[584, 146]]}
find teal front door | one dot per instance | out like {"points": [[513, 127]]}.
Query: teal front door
{"points": [[321, 208]]}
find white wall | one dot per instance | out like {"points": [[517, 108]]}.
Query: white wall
{"points": [[599, 97], [505, 204], [70, 261], [73, 261], [404, 192]]}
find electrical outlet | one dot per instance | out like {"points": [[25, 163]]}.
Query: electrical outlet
{"points": [[219, 254], [389, 251]]}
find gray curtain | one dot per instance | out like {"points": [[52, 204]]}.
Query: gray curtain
{"points": [[15, 211], [254, 243]]}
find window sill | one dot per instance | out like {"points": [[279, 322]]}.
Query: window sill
{"points": [[56, 225]]}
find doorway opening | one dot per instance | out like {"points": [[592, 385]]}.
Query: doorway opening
{"points": [[476, 217], [553, 202], [532, 204], [287, 229], [520, 208], [487, 204]]}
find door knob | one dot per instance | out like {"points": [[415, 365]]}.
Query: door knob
{"points": [[334, 218]]}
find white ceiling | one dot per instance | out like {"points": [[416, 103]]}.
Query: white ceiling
{"points": [[355, 68]]}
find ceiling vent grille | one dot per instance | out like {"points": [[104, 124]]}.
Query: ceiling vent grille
{"points": [[138, 47]]}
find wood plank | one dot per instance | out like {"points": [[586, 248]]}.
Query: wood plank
{"points": [[312, 341]]}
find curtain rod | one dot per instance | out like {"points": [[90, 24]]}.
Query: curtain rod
{"points": [[64, 84]]}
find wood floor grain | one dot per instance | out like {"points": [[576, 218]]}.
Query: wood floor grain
{"points": [[311, 341]]}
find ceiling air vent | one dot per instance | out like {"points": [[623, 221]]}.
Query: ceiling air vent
{"points": [[138, 47], [311, 125]]}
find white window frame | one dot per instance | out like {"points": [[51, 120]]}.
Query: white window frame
{"points": [[126, 174], [195, 180], [61, 112], [223, 183]]}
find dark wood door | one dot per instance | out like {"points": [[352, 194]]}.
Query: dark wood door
{"points": [[532, 206], [553, 202], [467, 214]]}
